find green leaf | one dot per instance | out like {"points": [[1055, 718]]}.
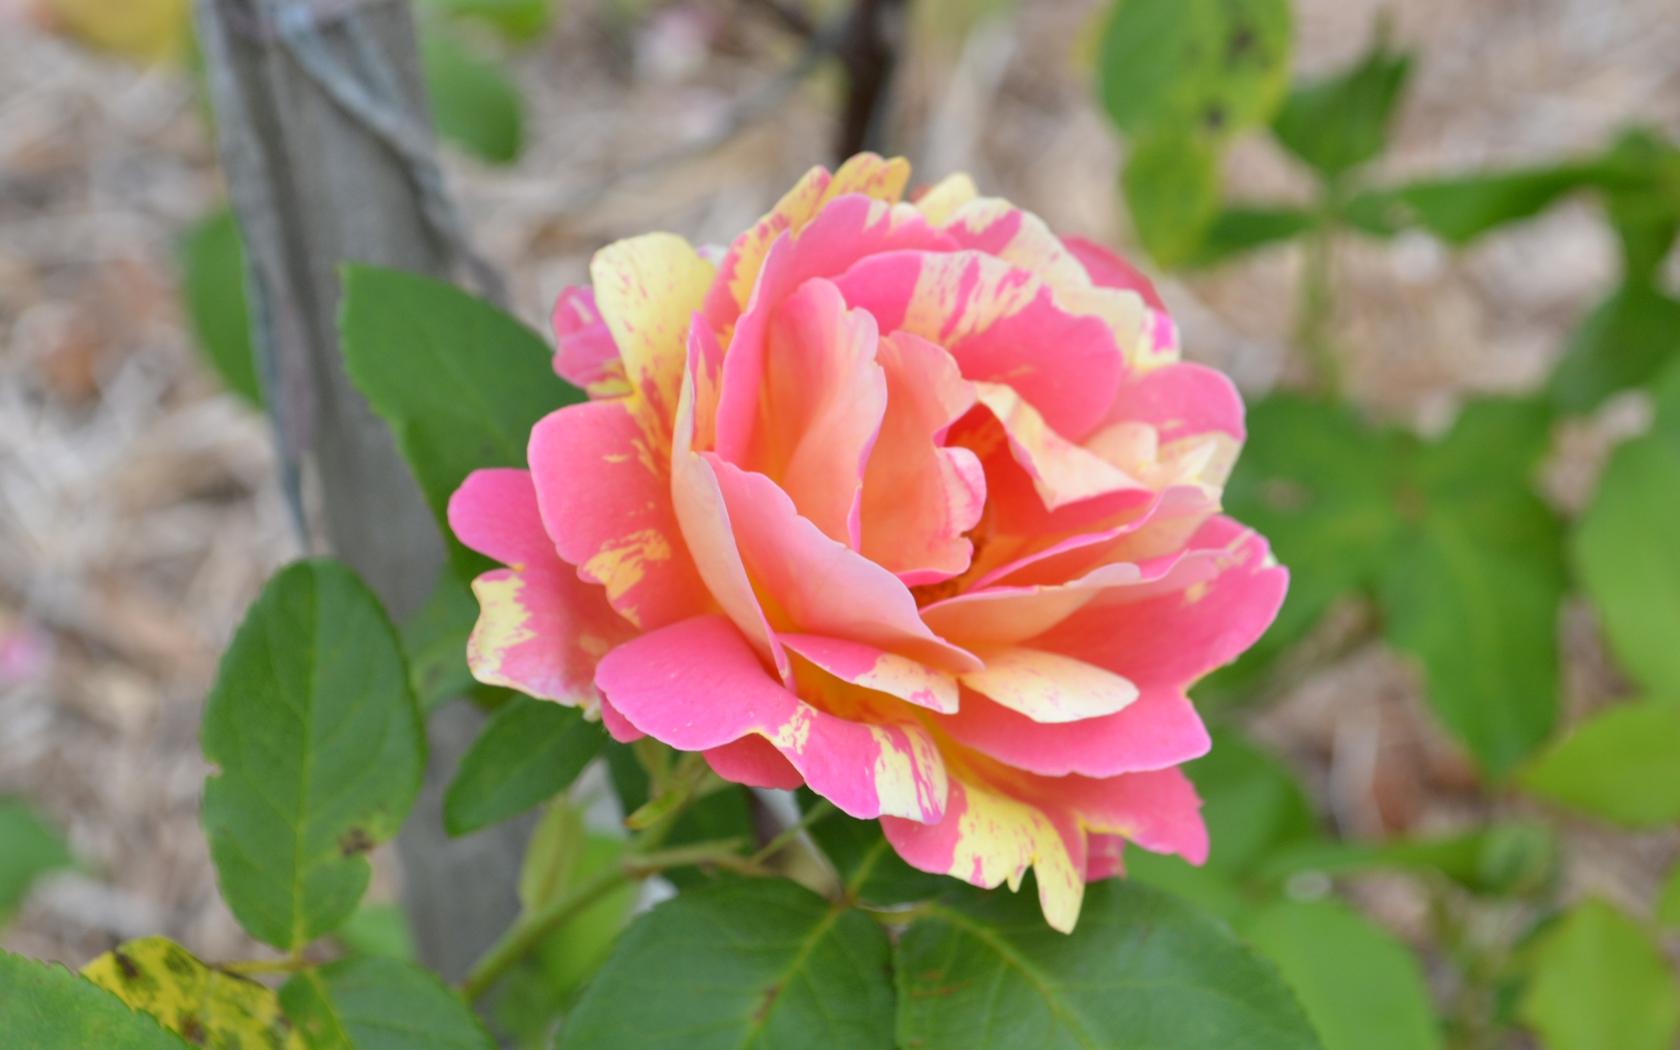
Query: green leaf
{"points": [[517, 19], [1599, 983], [529, 751], [43, 1006], [1318, 483], [760, 963], [212, 261], [1361, 988], [1473, 591], [1213, 66], [870, 870], [1624, 341], [1215, 891], [474, 105], [1646, 212], [1142, 970], [1338, 122], [371, 1003], [320, 747], [460, 383], [29, 848], [1621, 765], [1503, 859], [721, 814], [1484, 626], [379, 929], [1462, 208], [435, 641], [1629, 561], [206, 1007], [1238, 230], [1668, 899], [1171, 183], [1251, 802]]}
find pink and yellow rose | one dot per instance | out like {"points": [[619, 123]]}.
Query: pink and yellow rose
{"points": [[912, 503]]}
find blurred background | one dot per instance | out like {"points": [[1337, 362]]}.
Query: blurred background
{"points": [[139, 505]]}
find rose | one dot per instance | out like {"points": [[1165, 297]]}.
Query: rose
{"points": [[911, 503]]}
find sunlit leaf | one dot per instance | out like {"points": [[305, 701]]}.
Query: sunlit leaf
{"points": [[1626, 549], [1171, 184], [1619, 765], [1361, 988], [1624, 341], [1599, 983], [1213, 67]]}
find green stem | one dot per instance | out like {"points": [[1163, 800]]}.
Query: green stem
{"points": [[253, 967], [520, 939], [822, 809], [1312, 325]]}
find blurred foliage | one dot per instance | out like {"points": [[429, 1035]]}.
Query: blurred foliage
{"points": [[29, 848], [1448, 546]]}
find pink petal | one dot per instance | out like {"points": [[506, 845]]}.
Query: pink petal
{"points": [[866, 175], [988, 837], [698, 685], [1110, 271], [1158, 810], [819, 400], [647, 289], [755, 762], [819, 586], [919, 498], [873, 668], [1175, 636], [846, 230], [1001, 324], [604, 488], [540, 629], [1062, 472], [584, 352], [1049, 687], [1158, 729]]}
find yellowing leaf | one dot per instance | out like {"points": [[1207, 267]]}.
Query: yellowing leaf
{"points": [[206, 1007], [149, 30]]}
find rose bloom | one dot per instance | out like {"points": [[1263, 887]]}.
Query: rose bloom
{"points": [[910, 503]]}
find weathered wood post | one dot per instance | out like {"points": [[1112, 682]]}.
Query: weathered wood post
{"points": [[323, 133]]}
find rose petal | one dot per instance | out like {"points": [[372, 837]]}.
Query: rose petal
{"points": [[697, 685], [540, 629], [873, 668], [1158, 729], [819, 586], [584, 352], [647, 289], [987, 837], [919, 498], [1049, 687], [603, 484], [755, 762], [1001, 324]]}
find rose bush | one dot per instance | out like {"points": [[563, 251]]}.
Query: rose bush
{"points": [[909, 502]]}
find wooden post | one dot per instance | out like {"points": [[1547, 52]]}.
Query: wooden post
{"points": [[324, 138]]}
